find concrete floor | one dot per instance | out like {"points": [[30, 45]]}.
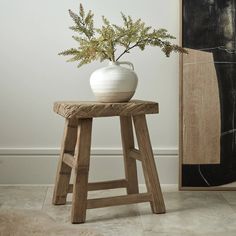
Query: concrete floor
{"points": [[188, 213]]}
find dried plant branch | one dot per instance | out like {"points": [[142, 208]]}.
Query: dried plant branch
{"points": [[102, 43]]}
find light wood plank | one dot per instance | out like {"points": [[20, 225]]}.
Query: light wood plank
{"points": [[119, 200], [63, 170], [112, 184], [69, 159], [135, 154], [129, 163], [148, 163], [201, 109], [98, 109], [80, 182]]}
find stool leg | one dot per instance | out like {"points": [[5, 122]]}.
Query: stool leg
{"points": [[81, 171], [63, 170], [148, 163], [129, 163]]}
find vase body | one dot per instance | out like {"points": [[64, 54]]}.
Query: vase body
{"points": [[114, 83]]}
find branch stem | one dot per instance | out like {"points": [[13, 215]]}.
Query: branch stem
{"points": [[135, 45], [126, 51]]}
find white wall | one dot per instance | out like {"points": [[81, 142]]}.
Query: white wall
{"points": [[33, 76]]}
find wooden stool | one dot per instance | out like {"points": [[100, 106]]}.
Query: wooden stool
{"points": [[75, 154]]}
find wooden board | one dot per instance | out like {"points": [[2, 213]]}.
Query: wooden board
{"points": [[100, 109], [201, 109]]}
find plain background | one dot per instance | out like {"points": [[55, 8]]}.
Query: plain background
{"points": [[33, 76]]}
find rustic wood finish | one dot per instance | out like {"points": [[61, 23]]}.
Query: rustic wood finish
{"points": [[69, 159], [129, 163], [95, 109], [82, 158], [148, 163], [64, 171], [75, 155], [112, 184], [119, 200], [135, 154]]}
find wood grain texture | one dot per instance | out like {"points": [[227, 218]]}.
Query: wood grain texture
{"points": [[201, 109], [69, 160], [148, 163], [130, 165], [76, 155], [81, 171], [110, 184], [134, 153], [119, 200], [95, 109], [63, 170]]}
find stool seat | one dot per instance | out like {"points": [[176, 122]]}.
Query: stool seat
{"points": [[98, 109], [75, 155]]}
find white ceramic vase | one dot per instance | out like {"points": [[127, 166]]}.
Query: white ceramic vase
{"points": [[114, 83]]}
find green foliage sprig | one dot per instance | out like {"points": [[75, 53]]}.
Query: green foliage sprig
{"points": [[101, 43]]}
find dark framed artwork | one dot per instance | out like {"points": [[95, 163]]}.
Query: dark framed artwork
{"points": [[208, 95]]}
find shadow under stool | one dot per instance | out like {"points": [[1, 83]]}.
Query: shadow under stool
{"points": [[75, 155]]}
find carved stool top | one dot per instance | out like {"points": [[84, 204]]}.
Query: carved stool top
{"points": [[78, 109]]}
